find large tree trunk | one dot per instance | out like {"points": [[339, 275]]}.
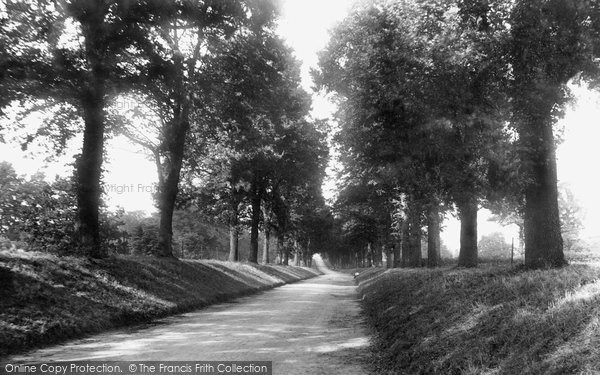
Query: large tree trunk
{"points": [[89, 170], [539, 88], [286, 254], [256, 200], [89, 163], [168, 191], [234, 253], [279, 249], [414, 236], [467, 211], [405, 245], [433, 236], [543, 239], [265, 254], [397, 254]]}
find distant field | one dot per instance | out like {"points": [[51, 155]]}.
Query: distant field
{"points": [[46, 299], [495, 319]]}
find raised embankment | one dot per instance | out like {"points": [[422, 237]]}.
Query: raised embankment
{"points": [[45, 299], [495, 319]]}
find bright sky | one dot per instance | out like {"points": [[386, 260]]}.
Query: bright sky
{"points": [[305, 24]]}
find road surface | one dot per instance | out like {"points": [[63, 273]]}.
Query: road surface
{"points": [[310, 327]]}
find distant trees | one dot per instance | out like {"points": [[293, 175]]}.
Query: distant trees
{"points": [[494, 246]]}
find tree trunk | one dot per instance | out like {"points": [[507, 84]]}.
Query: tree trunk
{"points": [[543, 239], [414, 236], [279, 249], [168, 192], [174, 141], [89, 163], [405, 244], [433, 235], [265, 255], [286, 253], [467, 211], [256, 198], [234, 254], [89, 170]]}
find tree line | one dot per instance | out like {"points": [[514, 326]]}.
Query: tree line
{"points": [[218, 107], [450, 106]]}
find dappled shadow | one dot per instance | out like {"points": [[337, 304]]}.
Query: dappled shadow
{"points": [[310, 327], [65, 297]]}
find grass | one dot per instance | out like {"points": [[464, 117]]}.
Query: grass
{"points": [[45, 299], [492, 320]]}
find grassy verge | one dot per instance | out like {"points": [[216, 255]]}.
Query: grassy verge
{"points": [[46, 299], [490, 320]]}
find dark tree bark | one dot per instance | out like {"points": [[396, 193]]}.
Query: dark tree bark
{"points": [[256, 200], [397, 254], [286, 253], [89, 170], [265, 254], [279, 249], [415, 243], [168, 192], [89, 163], [433, 236], [467, 211], [405, 245], [234, 254], [413, 236], [543, 239]]}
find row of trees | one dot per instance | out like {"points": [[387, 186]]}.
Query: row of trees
{"points": [[218, 107], [446, 104]]}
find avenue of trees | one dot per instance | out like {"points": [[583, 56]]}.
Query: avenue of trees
{"points": [[449, 106], [219, 108], [444, 107]]}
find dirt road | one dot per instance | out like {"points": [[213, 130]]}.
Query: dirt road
{"points": [[311, 327]]}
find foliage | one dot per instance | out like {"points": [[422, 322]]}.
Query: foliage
{"points": [[493, 246], [571, 216]]}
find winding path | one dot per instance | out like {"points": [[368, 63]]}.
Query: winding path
{"points": [[310, 327]]}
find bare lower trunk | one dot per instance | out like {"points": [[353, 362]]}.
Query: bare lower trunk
{"points": [[286, 257], [89, 163], [234, 254], [279, 249], [265, 254], [543, 239], [253, 256], [467, 211], [167, 196], [405, 245], [89, 170], [397, 254], [433, 236], [414, 240]]}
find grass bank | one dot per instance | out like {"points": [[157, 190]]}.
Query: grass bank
{"points": [[490, 320], [46, 299]]}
